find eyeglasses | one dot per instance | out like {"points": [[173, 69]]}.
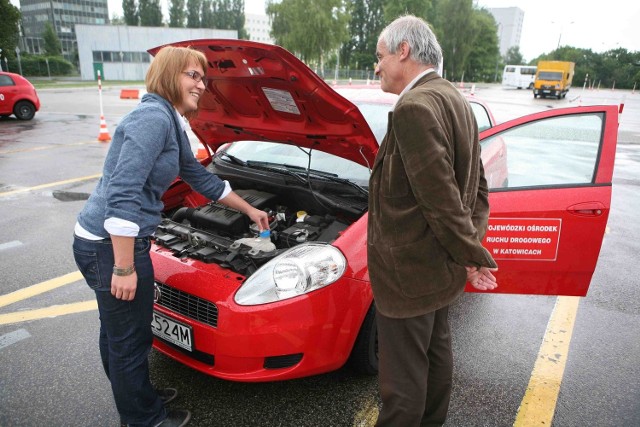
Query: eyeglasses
{"points": [[196, 76]]}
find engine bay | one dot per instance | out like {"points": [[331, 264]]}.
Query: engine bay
{"points": [[215, 233]]}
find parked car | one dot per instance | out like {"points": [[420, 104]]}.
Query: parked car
{"points": [[17, 97], [230, 305]]}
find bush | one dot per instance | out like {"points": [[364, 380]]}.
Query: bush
{"points": [[36, 65]]}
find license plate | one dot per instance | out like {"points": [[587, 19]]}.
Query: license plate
{"points": [[172, 331]]}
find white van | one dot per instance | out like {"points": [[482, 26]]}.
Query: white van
{"points": [[519, 76]]}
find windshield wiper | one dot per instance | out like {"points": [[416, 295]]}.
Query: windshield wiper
{"points": [[231, 158], [273, 167], [329, 176]]}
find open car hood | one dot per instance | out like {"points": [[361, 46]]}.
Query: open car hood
{"points": [[262, 92]]}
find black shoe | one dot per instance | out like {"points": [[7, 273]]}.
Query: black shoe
{"points": [[167, 394], [176, 418]]}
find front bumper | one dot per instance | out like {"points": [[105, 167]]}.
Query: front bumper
{"points": [[302, 336]]}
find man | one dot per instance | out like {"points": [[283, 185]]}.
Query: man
{"points": [[428, 212]]}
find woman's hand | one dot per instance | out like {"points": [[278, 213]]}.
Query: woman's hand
{"points": [[124, 287], [260, 217]]}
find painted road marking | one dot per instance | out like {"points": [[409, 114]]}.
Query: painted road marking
{"points": [[11, 244], [45, 147], [39, 288], [538, 405], [13, 337], [53, 311], [52, 184]]}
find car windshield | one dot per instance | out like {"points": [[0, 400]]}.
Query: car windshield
{"points": [[550, 75]]}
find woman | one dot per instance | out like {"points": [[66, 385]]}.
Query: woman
{"points": [[111, 240]]}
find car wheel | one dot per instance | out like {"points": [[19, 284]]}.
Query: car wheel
{"points": [[535, 96], [24, 110], [364, 356]]}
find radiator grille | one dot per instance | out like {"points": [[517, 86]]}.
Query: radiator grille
{"points": [[186, 304]]}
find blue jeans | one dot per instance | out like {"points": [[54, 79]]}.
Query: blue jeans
{"points": [[125, 329]]}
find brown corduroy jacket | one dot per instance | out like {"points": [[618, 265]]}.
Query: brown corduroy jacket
{"points": [[428, 202]]}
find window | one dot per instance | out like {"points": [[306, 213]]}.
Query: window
{"points": [[482, 117], [6, 81], [561, 151]]}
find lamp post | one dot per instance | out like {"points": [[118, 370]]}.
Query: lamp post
{"points": [[560, 36]]}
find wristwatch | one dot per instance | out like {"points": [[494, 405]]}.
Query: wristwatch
{"points": [[126, 271]]}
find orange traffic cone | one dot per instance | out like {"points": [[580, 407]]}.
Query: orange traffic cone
{"points": [[104, 133]]}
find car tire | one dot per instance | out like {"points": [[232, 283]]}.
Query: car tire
{"points": [[535, 96], [364, 356], [24, 110]]}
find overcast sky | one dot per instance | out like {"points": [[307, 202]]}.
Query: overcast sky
{"points": [[596, 26]]}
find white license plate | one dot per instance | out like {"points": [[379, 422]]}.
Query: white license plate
{"points": [[172, 331]]}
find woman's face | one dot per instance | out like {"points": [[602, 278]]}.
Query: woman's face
{"points": [[192, 85]]}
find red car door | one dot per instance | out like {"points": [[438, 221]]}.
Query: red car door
{"points": [[8, 91], [547, 224]]}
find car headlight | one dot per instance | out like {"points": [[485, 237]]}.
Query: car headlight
{"points": [[299, 270]]}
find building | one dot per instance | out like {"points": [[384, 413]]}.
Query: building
{"points": [[63, 15], [509, 20], [258, 27], [119, 52]]}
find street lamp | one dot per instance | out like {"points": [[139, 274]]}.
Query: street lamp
{"points": [[560, 36]]}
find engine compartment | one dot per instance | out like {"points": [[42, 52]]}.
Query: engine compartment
{"points": [[215, 233]]}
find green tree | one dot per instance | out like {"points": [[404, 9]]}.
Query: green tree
{"points": [[9, 21], [420, 8], [365, 24], [193, 13], [177, 14], [150, 13], [457, 37], [207, 19], [229, 15], [309, 28], [483, 62], [52, 45], [514, 56], [131, 13]]}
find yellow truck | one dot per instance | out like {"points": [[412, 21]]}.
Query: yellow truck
{"points": [[553, 78]]}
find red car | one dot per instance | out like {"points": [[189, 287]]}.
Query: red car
{"points": [[244, 308], [17, 97]]}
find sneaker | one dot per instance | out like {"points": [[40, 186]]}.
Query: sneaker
{"points": [[167, 394], [176, 418]]}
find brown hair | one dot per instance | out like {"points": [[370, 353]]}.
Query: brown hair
{"points": [[163, 76]]}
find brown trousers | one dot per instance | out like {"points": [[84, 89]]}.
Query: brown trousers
{"points": [[415, 369]]}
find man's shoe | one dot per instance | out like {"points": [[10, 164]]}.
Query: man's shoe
{"points": [[176, 418], [167, 394]]}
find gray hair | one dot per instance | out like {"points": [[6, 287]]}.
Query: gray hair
{"points": [[423, 45]]}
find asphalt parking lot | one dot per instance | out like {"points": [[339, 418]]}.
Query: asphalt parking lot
{"points": [[50, 371]]}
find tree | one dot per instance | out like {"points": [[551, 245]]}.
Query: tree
{"points": [[229, 15], [484, 61], [131, 13], [310, 28], [52, 45], [177, 14], [9, 21], [514, 56], [365, 25], [150, 13], [207, 19], [457, 36], [396, 8], [193, 13]]}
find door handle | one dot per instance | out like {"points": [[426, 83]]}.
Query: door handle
{"points": [[587, 209]]}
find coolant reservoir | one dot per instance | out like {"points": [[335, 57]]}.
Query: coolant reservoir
{"points": [[260, 243]]}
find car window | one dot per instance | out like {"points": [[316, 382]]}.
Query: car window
{"points": [[561, 151], [6, 80], [377, 116], [482, 116], [284, 154]]}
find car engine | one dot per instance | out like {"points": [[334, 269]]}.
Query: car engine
{"points": [[214, 233]]}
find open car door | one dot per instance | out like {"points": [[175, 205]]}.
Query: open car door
{"points": [[549, 216]]}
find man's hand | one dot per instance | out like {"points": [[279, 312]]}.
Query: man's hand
{"points": [[124, 287], [260, 217], [482, 278]]}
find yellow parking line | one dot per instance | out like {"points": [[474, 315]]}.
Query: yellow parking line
{"points": [[39, 288], [538, 405], [53, 311], [52, 184], [45, 147]]}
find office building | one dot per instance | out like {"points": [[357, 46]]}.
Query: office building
{"points": [[258, 27], [63, 16], [509, 20]]}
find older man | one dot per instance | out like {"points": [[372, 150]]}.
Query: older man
{"points": [[428, 212]]}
